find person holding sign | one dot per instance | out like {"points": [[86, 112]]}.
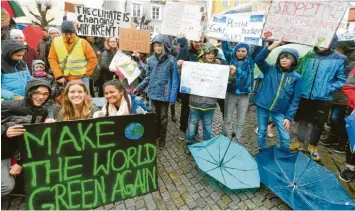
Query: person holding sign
{"points": [[163, 83], [202, 107], [77, 103], [119, 102], [71, 57], [14, 114], [324, 72], [239, 88], [279, 94]]}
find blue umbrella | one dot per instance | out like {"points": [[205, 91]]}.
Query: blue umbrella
{"points": [[350, 128], [227, 162], [300, 182]]}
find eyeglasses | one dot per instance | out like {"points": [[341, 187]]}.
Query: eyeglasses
{"points": [[37, 94]]}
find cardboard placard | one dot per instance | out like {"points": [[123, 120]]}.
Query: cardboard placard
{"points": [[241, 27], [101, 23], [85, 164], [70, 7], [207, 80], [135, 40], [306, 22]]}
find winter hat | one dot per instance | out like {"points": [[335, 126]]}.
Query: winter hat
{"points": [[241, 45], [36, 63], [208, 47], [16, 33], [52, 29], [68, 27]]}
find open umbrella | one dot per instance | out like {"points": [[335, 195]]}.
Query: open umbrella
{"points": [[227, 162], [350, 128], [33, 35], [271, 59], [302, 183], [13, 8]]}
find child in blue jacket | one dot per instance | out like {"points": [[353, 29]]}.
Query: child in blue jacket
{"points": [[163, 82], [279, 94]]}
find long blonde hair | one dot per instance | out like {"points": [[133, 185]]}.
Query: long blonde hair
{"points": [[68, 112]]}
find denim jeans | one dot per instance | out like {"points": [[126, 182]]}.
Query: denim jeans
{"points": [[278, 120], [241, 102], [194, 118]]}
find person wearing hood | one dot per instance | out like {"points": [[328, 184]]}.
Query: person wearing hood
{"points": [[71, 57], [14, 114], [239, 88], [31, 54], [119, 102], [324, 72], [163, 82], [279, 94], [14, 71]]}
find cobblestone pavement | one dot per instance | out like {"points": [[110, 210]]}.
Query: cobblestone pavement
{"points": [[183, 186]]}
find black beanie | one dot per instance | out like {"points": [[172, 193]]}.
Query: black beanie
{"points": [[68, 27]]}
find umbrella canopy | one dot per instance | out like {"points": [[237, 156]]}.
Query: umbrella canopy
{"points": [[33, 35], [13, 8], [271, 59], [302, 183], [350, 128], [227, 162]]}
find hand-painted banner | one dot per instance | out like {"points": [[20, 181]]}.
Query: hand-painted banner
{"points": [[182, 20], [306, 22], [240, 27], [101, 23], [207, 80], [78, 165]]}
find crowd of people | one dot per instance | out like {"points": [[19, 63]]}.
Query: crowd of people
{"points": [[67, 71]]}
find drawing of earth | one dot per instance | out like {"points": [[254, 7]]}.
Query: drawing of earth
{"points": [[134, 131]]}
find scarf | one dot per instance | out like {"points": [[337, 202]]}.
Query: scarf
{"points": [[112, 110]]}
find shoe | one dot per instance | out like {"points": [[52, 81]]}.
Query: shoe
{"points": [[198, 137], [181, 135], [161, 144], [296, 145], [330, 141], [314, 153], [347, 175], [173, 119], [187, 150], [270, 131], [233, 135], [256, 131], [339, 149]]}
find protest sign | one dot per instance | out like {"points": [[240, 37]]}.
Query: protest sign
{"points": [[240, 27], [70, 7], [306, 22], [125, 65], [207, 80], [101, 23], [182, 19], [145, 27], [135, 40], [84, 164]]}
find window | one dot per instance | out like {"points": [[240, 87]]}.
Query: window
{"points": [[156, 13], [225, 2], [137, 10], [236, 3]]}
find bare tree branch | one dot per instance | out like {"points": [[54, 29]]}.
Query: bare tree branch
{"points": [[41, 14]]}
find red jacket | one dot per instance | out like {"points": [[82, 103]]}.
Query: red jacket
{"points": [[29, 57], [349, 88]]}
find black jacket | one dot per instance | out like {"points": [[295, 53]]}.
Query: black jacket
{"points": [[20, 112]]}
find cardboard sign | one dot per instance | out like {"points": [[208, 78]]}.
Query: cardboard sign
{"points": [[70, 7], [207, 80], [241, 27], [306, 22], [101, 23], [182, 19], [135, 40], [84, 164]]}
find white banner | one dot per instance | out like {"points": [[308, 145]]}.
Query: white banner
{"points": [[182, 19], [100, 23], [306, 22], [240, 27], [207, 80]]}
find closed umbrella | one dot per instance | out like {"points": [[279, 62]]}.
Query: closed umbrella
{"points": [[13, 8], [226, 161], [300, 182]]}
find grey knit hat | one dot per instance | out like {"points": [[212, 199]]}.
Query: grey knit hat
{"points": [[68, 27]]}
